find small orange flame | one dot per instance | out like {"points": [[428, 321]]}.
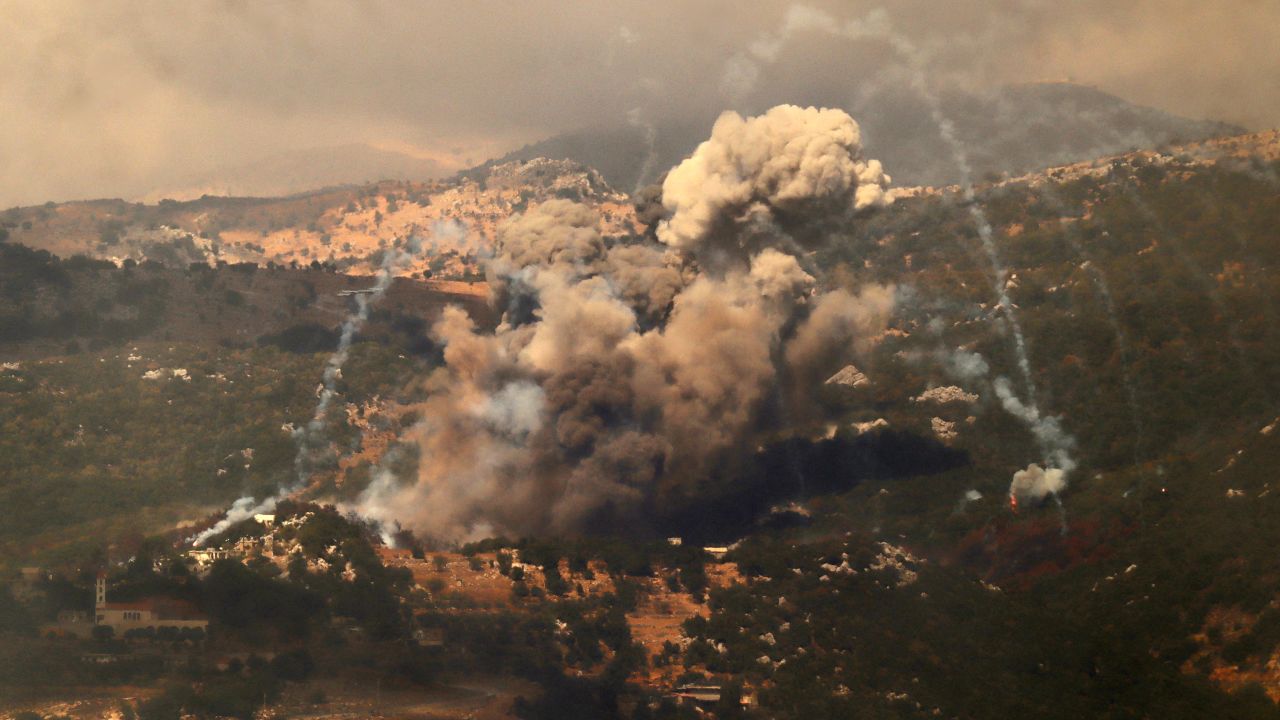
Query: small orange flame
{"points": [[1013, 503]]}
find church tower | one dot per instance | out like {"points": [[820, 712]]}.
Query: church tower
{"points": [[100, 592]]}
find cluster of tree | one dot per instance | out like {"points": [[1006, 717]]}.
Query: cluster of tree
{"points": [[238, 692], [623, 557], [94, 425], [829, 629]]}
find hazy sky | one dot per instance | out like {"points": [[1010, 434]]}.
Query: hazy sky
{"points": [[123, 99]]}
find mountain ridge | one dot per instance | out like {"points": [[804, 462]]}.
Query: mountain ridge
{"points": [[1081, 121]]}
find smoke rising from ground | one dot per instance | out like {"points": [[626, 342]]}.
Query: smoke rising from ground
{"points": [[310, 438], [1056, 445], [622, 373], [1036, 483]]}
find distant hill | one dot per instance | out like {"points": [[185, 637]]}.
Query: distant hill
{"points": [[1014, 130], [348, 227], [302, 170]]}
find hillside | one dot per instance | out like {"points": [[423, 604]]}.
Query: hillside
{"points": [[867, 559], [50, 306], [303, 170], [346, 227]]}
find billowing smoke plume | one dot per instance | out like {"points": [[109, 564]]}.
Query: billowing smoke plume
{"points": [[622, 373], [796, 169], [1035, 483]]}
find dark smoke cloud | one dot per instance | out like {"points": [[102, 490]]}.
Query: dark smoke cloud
{"points": [[642, 368], [116, 98]]}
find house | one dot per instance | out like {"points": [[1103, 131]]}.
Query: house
{"points": [[717, 552], [267, 520], [702, 695], [73, 617], [706, 695], [429, 637], [204, 557], [145, 614]]}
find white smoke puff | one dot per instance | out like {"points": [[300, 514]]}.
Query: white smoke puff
{"points": [[967, 365], [475, 473], [794, 163], [739, 79], [516, 410], [450, 233], [1055, 442], [636, 119], [742, 71], [798, 18], [241, 510], [1035, 483], [779, 276], [582, 319]]}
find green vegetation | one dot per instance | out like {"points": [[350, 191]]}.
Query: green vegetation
{"points": [[1148, 298], [89, 446]]}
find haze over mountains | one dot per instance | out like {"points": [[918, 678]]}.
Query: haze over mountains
{"points": [[1016, 129], [297, 171]]}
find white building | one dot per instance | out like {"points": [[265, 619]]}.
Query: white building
{"points": [[148, 613]]}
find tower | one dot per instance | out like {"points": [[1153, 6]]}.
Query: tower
{"points": [[100, 591]]}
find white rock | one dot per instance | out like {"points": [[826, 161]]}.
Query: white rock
{"points": [[850, 376], [946, 394]]}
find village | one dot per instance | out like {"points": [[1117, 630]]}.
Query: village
{"points": [[444, 591]]}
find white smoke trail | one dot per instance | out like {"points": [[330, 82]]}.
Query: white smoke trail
{"points": [[636, 119], [1070, 232], [1194, 270], [741, 73], [1056, 444], [310, 436]]}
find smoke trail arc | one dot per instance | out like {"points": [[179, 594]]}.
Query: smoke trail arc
{"points": [[1055, 445], [310, 436]]}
